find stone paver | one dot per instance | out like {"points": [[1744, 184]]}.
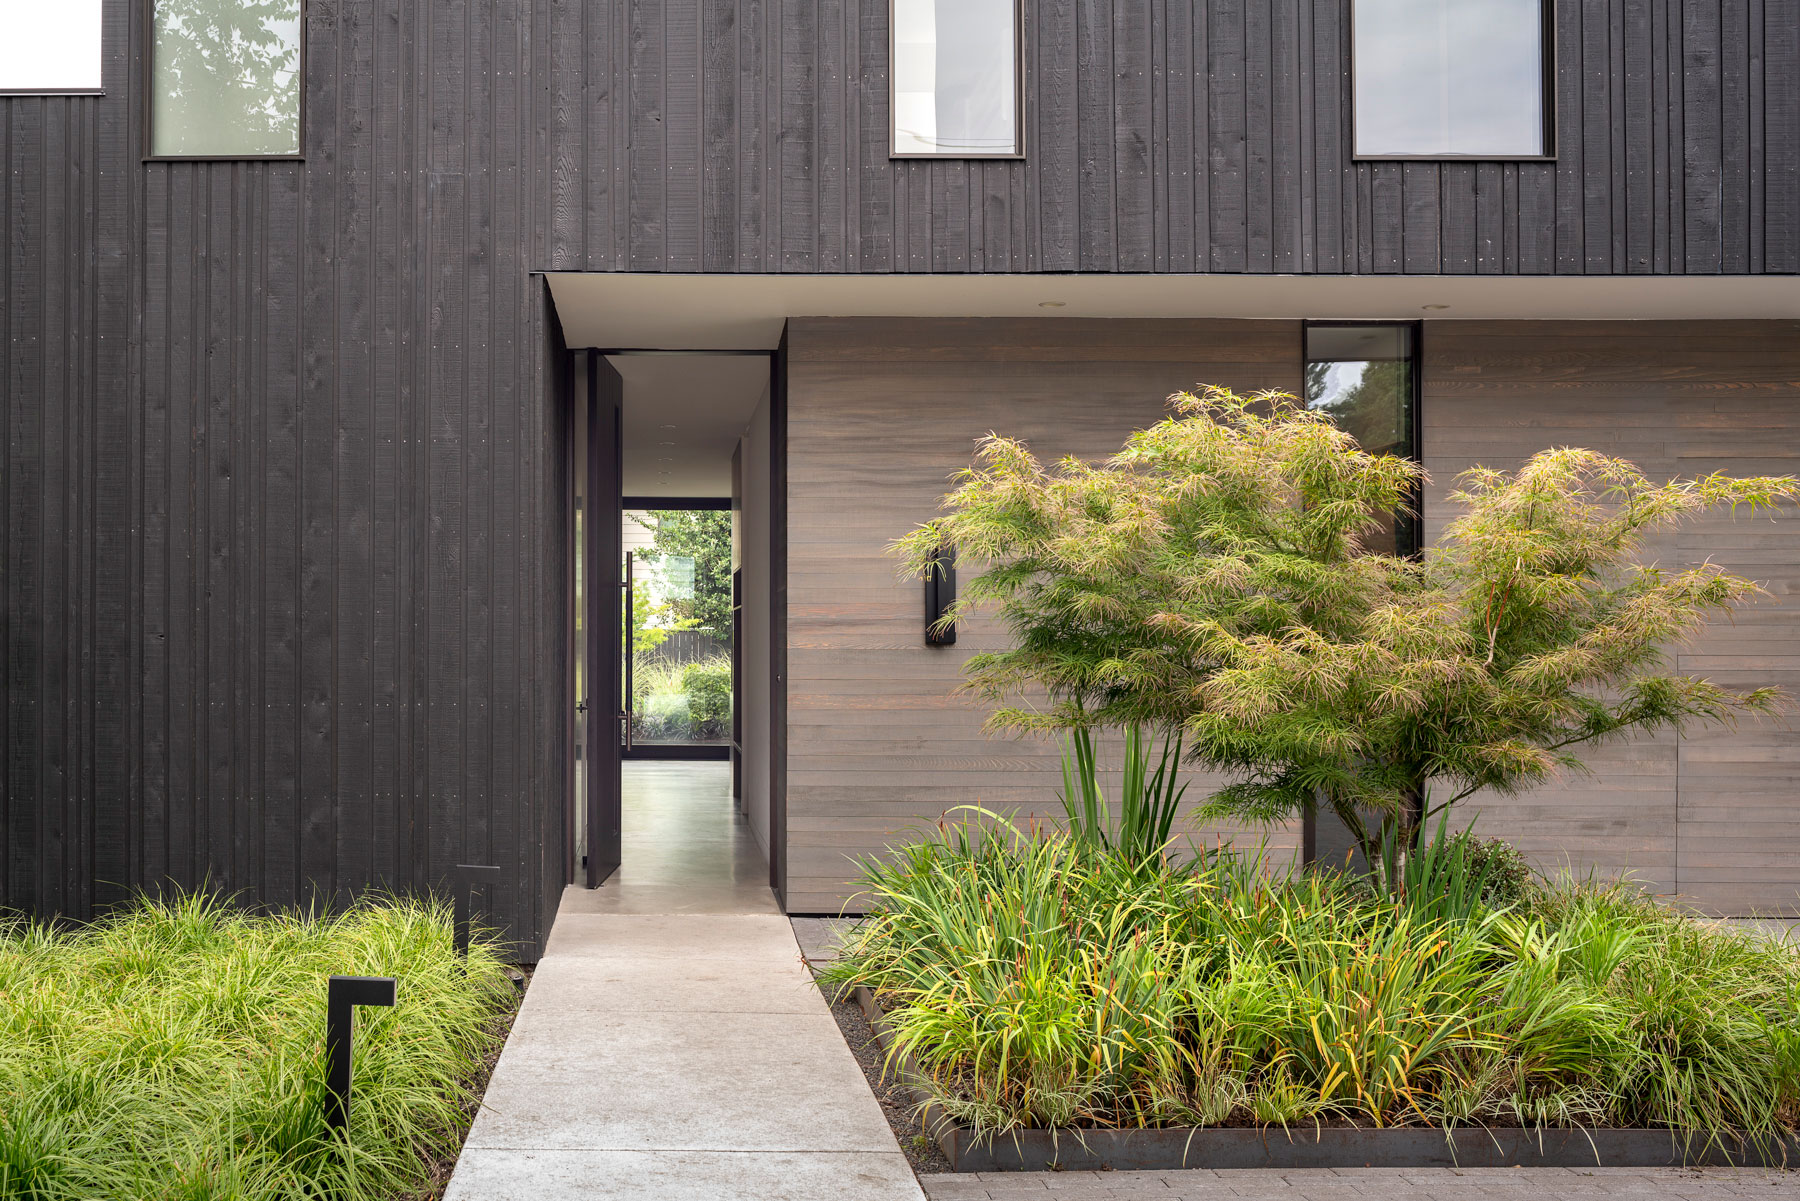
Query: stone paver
{"points": [[1367, 1184]]}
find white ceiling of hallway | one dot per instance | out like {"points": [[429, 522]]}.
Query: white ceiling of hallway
{"points": [[740, 312], [683, 417]]}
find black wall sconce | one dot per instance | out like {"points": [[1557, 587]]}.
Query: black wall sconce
{"points": [[940, 594]]}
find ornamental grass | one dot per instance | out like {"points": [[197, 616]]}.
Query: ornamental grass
{"points": [[176, 1050], [1037, 982]]}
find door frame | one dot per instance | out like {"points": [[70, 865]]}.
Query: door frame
{"points": [[611, 764]]}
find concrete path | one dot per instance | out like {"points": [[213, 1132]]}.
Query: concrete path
{"points": [[1373, 1184], [671, 1046]]}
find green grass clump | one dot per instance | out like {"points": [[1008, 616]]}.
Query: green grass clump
{"points": [[176, 1050], [1039, 984]]}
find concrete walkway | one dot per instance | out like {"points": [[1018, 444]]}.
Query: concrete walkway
{"points": [[664, 1056]]}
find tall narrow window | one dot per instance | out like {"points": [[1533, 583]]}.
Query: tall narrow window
{"points": [[1366, 377], [225, 78], [955, 79], [49, 47], [1452, 78]]}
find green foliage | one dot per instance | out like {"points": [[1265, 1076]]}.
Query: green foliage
{"points": [[703, 535], [644, 636], [1147, 801], [681, 703], [1212, 577], [708, 687], [1037, 984], [175, 1050]]}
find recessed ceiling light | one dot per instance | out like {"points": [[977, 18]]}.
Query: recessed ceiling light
{"points": [[1052, 304], [668, 427], [1433, 308]]}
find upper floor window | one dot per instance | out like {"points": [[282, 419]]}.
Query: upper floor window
{"points": [[225, 78], [955, 79], [1451, 78], [49, 47]]}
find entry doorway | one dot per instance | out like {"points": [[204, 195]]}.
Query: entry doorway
{"points": [[674, 499]]}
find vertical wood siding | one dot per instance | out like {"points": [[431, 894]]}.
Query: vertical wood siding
{"points": [[283, 503], [1165, 136]]}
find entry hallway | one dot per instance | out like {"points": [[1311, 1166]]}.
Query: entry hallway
{"points": [[672, 1045]]}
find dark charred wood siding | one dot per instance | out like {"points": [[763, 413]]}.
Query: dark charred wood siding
{"points": [[282, 508], [1200, 135]]}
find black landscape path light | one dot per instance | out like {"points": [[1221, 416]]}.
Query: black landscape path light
{"points": [[470, 877], [341, 1000]]}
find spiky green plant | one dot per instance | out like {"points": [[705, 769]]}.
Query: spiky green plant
{"points": [[1211, 578], [1037, 984], [174, 1050], [1148, 801]]}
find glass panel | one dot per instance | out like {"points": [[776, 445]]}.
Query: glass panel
{"points": [[955, 77], [226, 78], [680, 615], [50, 46], [1451, 77], [1363, 376]]}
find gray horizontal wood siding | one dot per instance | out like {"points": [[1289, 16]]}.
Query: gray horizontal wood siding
{"points": [[883, 411], [282, 503], [1710, 814], [1161, 136]]}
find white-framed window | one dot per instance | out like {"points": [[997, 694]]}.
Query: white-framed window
{"points": [[226, 78], [49, 47], [1452, 78], [954, 79]]}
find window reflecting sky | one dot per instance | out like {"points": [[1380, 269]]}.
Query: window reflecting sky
{"points": [[1449, 77], [954, 87], [50, 45]]}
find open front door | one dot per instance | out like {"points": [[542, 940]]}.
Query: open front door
{"points": [[604, 649]]}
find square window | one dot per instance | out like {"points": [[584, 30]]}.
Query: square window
{"points": [[955, 79], [1452, 78], [50, 47], [225, 78]]}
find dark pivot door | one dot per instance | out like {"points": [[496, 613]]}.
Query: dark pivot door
{"points": [[604, 650]]}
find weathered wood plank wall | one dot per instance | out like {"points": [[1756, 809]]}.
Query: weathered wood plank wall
{"points": [[1711, 815], [881, 413], [1206, 135], [283, 507]]}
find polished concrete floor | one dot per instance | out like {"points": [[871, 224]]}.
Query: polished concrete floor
{"points": [[685, 849], [672, 1045]]}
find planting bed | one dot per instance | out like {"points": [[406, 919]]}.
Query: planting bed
{"points": [[1320, 1146], [1055, 1005]]}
